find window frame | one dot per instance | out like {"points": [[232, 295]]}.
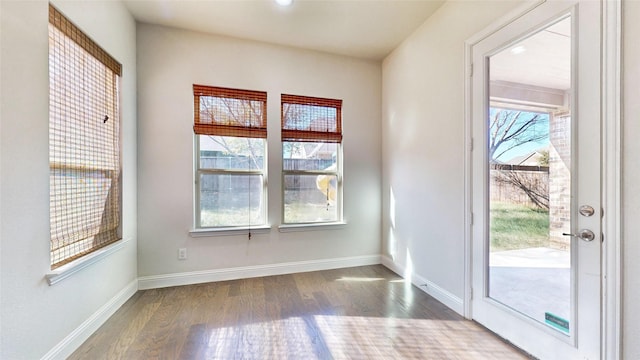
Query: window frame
{"points": [[339, 189], [199, 170], [338, 172], [223, 130]]}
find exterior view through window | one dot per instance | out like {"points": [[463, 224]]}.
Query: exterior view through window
{"points": [[231, 131], [84, 143], [311, 159], [530, 185]]}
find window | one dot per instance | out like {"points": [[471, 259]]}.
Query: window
{"points": [[311, 159], [231, 132], [84, 143]]}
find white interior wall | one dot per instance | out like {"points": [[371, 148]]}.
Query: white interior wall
{"points": [[35, 317], [422, 126], [170, 61], [631, 185], [423, 147]]}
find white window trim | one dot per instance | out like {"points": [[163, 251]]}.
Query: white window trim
{"points": [[226, 231], [285, 228], [200, 231], [300, 226], [58, 274]]}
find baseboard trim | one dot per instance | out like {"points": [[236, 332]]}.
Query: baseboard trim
{"points": [[453, 302], [244, 272], [78, 336]]}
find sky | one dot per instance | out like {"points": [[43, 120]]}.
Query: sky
{"points": [[524, 149]]}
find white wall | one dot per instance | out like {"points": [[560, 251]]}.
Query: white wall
{"points": [[423, 144], [422, 147], [170, 61], [35, 316], [423, 151], [631, 184]]}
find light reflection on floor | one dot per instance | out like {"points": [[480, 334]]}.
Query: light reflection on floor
{"points": [[361, 279], [353, 313], [356, 337]]}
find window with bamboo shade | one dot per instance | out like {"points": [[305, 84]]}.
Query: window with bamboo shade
{"points": [[84, 143], [230, 127], [311, 159]]}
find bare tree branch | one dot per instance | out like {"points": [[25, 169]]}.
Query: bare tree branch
{"points": [[509, 129], [535, 189]]}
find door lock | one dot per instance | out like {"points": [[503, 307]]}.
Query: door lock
{"points": [[584, 234], [586, 210]]}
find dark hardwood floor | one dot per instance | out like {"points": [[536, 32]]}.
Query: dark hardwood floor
{"points": [[355, 313]]}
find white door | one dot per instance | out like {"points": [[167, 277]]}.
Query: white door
{"points": [[536, 242]]}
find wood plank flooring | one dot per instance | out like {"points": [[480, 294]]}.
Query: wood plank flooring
{"points": [[355, 313]]}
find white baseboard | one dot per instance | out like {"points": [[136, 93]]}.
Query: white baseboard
{"points": [[73, 341], [198, 277], [453, 302]]}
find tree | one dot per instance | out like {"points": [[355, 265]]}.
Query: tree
{"points": [[535, 189], [544, 158], [248, 148], [235, 112], [509, 129]]}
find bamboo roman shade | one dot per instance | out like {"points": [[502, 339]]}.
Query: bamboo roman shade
{"points": [[72, 33], [311, 119], [84, 143], [229, 112]]}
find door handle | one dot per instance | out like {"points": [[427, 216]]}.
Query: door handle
{"points": [[584, 234]]}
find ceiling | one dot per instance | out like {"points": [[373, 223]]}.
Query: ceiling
{"points": [[368, 29], [542, 59]]}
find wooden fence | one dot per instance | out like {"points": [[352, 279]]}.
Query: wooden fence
{"points": [[504, 191], [237, 191]]}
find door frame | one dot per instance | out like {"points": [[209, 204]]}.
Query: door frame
{"points": [[611, 101]]}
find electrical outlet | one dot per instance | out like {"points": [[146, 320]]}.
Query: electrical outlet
{"points": [[182, 254]]}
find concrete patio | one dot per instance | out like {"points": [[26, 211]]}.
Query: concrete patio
{"points": [[532, 281]]}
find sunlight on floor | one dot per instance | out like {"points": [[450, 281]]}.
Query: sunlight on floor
{"points": [[399, 281], [356, 337], [360, 279]]}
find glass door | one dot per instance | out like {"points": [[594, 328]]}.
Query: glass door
{"points": [[529, 165], [536, 182]]}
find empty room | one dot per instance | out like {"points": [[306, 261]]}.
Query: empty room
{"points": [[319, 179]]}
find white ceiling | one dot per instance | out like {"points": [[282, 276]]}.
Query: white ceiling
{"points": [[368, 29], [544, 60]]}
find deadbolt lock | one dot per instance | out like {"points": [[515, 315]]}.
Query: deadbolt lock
{"points": [[586, 210]]}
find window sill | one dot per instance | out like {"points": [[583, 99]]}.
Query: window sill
{"points": [[311, 226], [225, 231], [64, 271]]}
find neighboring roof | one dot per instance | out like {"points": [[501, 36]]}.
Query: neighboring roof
{"points": [[530, 159]]}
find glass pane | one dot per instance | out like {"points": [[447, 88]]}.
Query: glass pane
{"points": [[228, 111], [231, 200], [310, 198], [83, 203], [529, 132], [309, 156], [231, 153], [310, 117]]}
